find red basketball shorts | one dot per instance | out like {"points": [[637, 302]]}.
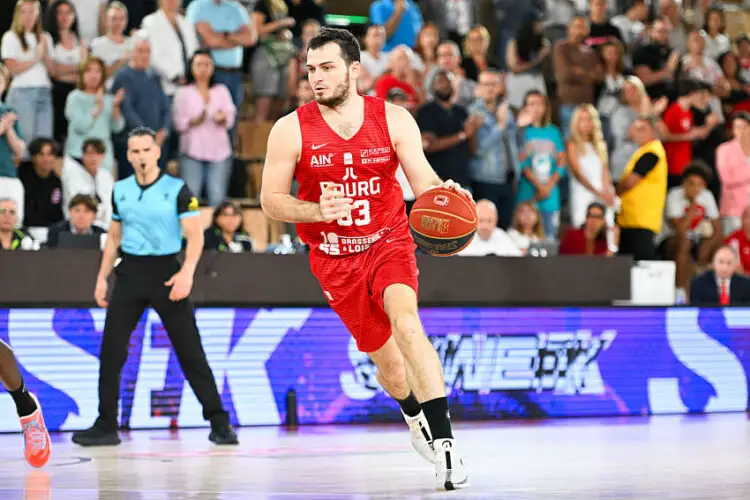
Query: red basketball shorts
{"points": [[354, 286]]}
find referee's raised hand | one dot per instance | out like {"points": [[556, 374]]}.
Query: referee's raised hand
{"points": [[181, 283]]}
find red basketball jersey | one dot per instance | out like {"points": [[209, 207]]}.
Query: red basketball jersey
{"points": [[363, 168]]}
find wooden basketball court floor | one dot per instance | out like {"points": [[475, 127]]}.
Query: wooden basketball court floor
{"points": [[669, 457]]}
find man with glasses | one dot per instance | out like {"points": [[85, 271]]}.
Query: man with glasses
{"points": [[12, 238]]}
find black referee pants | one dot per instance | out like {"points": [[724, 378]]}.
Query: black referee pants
{"points": [[139, 284]]}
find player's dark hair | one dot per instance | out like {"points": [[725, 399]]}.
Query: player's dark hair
{"points": [[142, 132], [37, 145], [344, 39], [699, 168], [97, 144]]}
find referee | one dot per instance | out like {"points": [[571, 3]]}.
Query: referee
{"points": [[150, 212]]}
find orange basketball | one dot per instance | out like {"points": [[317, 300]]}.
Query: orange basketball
{"points": [[443, 221]]}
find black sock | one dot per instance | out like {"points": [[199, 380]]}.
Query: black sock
{"points": [[410, 405], [25, 404], [437, 415]]}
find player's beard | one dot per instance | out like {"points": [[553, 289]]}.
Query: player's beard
{"points": [[340, 95]]}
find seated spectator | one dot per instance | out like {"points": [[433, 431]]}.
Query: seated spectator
{"points": [[203, 113], [526, 227], [26, 51], [82, 212], [374, 61], [721, 286], [731, 163], [631, 25], [743, 56], [11, 147], [698, 66], [715, 25], [226, 233], [402, 20], [43, 200], [589, 164], [495, 160], [447, 132], [144, 105], [642, 190], [400, 75], [705, 149], [524, 57], [655, 63], [678, 131], [591, 237], [173, 42], [88, 177], [397, 97], [692, 229], [449, 61], [114, 47], [67, 53], [304, 92], [298, 65], [271, 58], [92, 114], [11, 237], [490, 239], [542, 161], [475, 53], [740, 241]]}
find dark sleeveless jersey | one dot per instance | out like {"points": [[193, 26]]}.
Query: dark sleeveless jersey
{"points": [[363, 168]]}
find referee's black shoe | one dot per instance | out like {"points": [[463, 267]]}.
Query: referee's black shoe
{"points": [[96, 436], [222, 434]]}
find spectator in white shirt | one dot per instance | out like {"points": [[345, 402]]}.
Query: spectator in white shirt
{"points": [[692, 228], [490, 239], [374, 61], [26, 50], [89, 178], [173, 42], [114, 47], [716, 41], [91, 18], [631, 24], [527, 227]]}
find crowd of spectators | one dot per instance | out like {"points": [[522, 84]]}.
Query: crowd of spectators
{"points": [[582, 126]]}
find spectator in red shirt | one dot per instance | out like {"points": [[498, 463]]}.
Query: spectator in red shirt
{"points": [[678, 132], [589, 239], [402, 76], [740, 241]]}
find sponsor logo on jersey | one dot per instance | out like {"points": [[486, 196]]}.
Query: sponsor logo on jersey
{"points": [[348, 159], [377, 159], [366, 153], [355, 189], [349, 174], [321, 160], [316, 147]]}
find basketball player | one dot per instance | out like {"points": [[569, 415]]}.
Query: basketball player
{"points": [[344, 149], [37, 446]]}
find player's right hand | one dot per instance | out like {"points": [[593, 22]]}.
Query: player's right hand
{"points": [[100, 293], [333, 205]]}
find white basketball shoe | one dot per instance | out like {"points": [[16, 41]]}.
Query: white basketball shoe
{"points": [[450, 473], [421, 437]]}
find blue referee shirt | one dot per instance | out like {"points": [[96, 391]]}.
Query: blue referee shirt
{"points": [[150, 215]]}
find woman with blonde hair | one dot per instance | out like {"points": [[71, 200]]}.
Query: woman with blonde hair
{"points": [[527, 227], [26, 51], [589, 165], [475, 49]]}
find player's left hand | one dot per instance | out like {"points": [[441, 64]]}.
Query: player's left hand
{"points": [[455, 186], [181, 283]]}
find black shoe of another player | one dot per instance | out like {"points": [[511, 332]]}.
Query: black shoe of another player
{"points": [[223, 434], [96, 436]]}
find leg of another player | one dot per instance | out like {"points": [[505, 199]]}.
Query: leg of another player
{"points": [[37, 447], [424, 367]]}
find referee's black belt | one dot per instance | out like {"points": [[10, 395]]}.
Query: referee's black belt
{"points": [[148, 259]]}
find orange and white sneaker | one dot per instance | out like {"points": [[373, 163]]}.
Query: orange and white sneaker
{"points": [[37, 444]]}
